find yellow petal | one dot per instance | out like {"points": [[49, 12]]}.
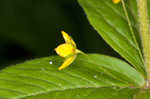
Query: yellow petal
{"points": [[65, 50], [68, 39], [67, 62], [115, 1]]}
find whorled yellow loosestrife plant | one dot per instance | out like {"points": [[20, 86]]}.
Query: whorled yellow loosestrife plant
{"points": [[67, 50], [116, 1]]}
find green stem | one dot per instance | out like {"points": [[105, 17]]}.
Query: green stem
{"points": [[81, 52], [145, 34]]}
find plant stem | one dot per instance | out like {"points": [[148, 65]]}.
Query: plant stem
{"points": [[145, 34]]}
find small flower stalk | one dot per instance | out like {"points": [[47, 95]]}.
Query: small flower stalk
{"points": [[67, 50]]}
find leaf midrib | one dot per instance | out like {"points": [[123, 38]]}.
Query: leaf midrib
{"points": [[25, 96]]}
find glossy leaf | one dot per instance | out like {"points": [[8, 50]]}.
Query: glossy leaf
{"points": [[41, 78], [110, 22]]}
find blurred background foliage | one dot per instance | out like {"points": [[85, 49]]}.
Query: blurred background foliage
{"points": [[31, 29]]}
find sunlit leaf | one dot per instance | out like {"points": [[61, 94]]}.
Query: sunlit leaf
{"points": [[41, 78], [110, 22]]}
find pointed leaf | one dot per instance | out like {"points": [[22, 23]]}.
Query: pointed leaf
{"points": [[110, 22], [41, 77]]}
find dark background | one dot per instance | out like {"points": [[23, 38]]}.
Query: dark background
{"points": [[31, 29]]}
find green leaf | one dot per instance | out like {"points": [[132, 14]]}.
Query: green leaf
{"points": [[41, 77], [110, 22], [143, 94], [89, 93]]}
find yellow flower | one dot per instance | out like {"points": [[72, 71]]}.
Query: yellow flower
{"points": [[115, 1], [67, 50]]}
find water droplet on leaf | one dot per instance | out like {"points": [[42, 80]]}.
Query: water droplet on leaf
{"points": [[50, 62], [95, 76]]}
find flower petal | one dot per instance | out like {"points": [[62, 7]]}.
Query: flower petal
{"points": [[68, 39], [115, 1], [67, 62], [65, 50]]}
